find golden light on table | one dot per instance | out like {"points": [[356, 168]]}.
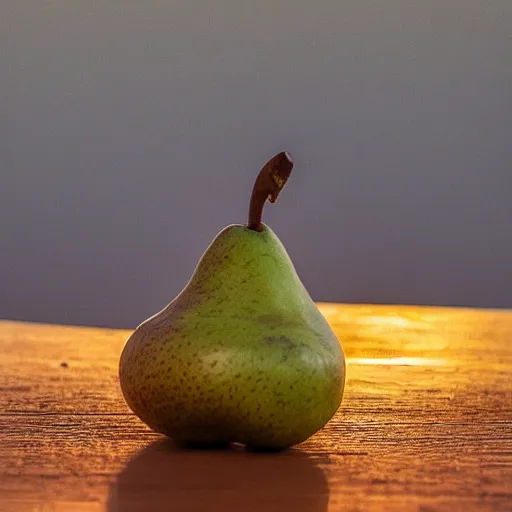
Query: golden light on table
{"points": [[397, 361], [425, 424]]}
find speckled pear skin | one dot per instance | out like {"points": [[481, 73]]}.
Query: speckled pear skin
{"points": [[241, 355]]}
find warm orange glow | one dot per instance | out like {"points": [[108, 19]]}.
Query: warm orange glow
{"points": [[397, 361], [406, 336], [392, 320]]}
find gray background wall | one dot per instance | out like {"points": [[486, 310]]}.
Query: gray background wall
{"points": [[131, 133]]}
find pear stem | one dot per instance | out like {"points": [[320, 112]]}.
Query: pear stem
{"points": [[269, 182]]}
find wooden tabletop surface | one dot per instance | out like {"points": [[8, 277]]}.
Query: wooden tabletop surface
{"points": [[425, 425]]}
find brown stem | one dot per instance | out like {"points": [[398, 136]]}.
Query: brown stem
{"points": [[268, 184]]}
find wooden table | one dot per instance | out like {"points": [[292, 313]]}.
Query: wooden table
{"points": [[425, 425]]}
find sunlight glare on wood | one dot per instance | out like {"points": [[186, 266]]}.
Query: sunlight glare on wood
{"points": [[396, 361]]}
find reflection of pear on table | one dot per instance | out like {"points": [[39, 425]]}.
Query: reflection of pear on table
{"points": [[163, 478], [242, 354]]}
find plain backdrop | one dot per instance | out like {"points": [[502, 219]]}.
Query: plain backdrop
{"points": [[131, 133]]}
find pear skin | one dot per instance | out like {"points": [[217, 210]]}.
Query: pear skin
{"points": [[241, 355]]}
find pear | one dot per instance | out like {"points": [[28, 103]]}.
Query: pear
{"points": [[242, 354]]}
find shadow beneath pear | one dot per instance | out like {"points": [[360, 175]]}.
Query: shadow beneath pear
{"points": [[164, 477]]}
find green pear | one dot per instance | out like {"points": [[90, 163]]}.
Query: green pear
{"points": [[242, 354]]}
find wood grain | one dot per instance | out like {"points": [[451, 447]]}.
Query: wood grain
{"points": [[425, 424]]}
